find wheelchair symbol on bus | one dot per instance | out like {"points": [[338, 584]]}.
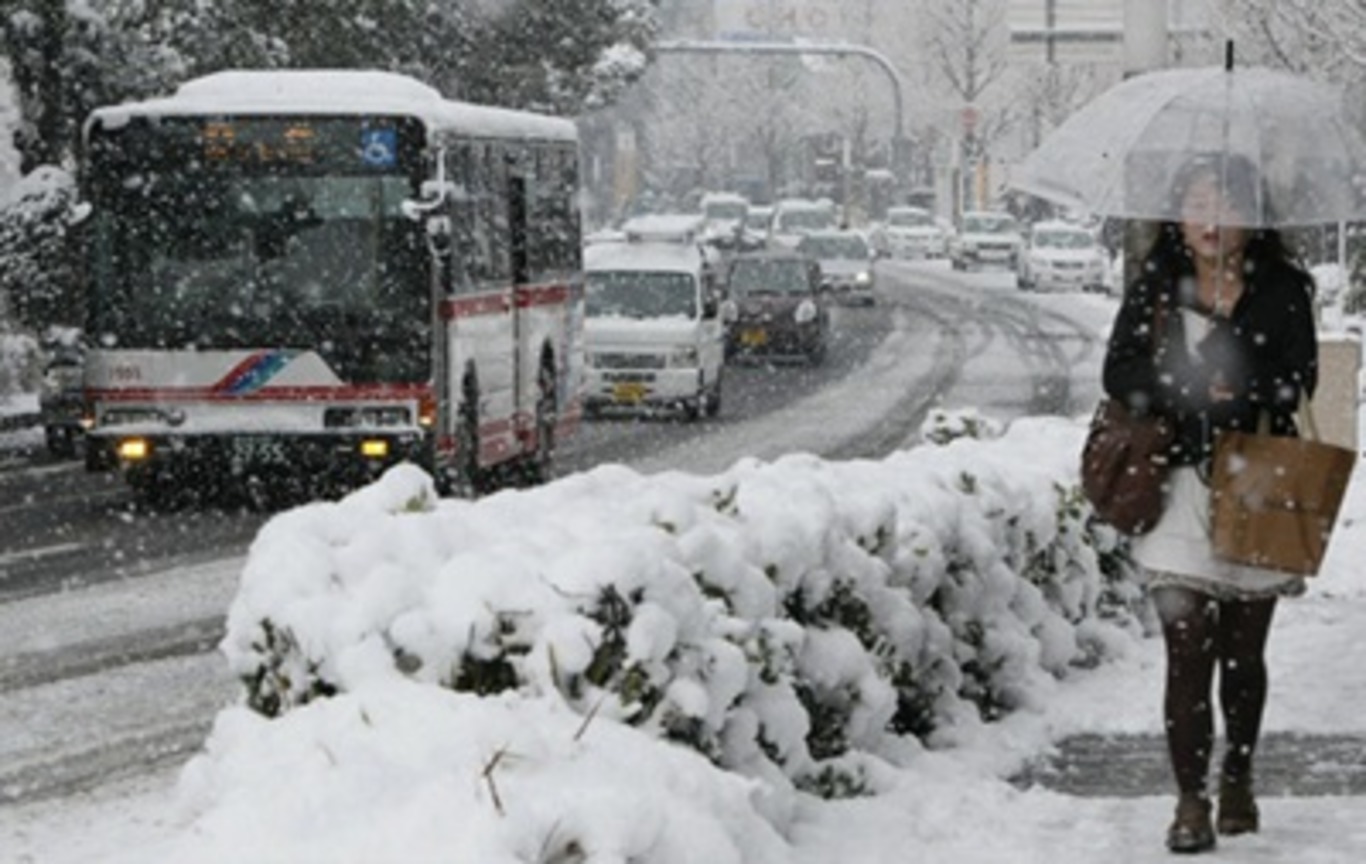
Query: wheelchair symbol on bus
{"points": [[379, 147]]}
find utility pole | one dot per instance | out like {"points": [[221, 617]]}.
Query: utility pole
{"points": [[1145, 36], [1055, 34]]}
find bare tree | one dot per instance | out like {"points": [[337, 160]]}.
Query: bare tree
{"points": [[1323, 38], [968, 42], [967, 39]]}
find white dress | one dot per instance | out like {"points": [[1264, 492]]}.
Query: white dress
{"points": [[1179, 551]]}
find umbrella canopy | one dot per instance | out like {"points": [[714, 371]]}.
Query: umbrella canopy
{"points": [[1122, 154]]}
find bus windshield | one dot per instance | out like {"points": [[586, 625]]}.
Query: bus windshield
{"points": [[195, 253]]}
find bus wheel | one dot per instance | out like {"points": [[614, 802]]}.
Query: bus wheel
{"points": [[470, 482], [542, 468]]}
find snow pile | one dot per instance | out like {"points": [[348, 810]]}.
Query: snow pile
{"points": [[800, 624]]}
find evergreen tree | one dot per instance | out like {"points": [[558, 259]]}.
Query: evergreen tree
{"points": [[35, 261]]}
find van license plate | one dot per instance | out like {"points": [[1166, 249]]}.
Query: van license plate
{"points": [[628, 392]]}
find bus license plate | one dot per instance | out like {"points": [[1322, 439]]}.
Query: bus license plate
{"points": [[259, 450], [628, 392]]}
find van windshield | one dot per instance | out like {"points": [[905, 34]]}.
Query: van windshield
{"points": [[640, 294]]}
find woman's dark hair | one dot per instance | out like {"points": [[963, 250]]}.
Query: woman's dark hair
{"points": [[1266, 252], [1237, 180]]}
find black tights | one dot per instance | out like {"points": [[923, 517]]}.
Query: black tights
{"points": [[1199, 631]]}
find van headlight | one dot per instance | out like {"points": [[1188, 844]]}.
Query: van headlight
{"points": [[683, 356], [806, 312]]}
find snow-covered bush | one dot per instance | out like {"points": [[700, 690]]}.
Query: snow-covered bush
{"points": [[943, 426], [36, 273], [780, 619], [19, 362]]}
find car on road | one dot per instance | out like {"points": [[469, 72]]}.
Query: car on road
{"points": [[846, 261], [724, 216], [794, 218], [652, 330], [1062, 256], [776, 307], [913, 232], [987, 238]]}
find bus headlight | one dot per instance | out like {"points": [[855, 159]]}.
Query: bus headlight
{"points": [[133, 449], [374, 448]]}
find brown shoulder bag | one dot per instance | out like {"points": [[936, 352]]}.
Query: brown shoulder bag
{"points": [[1124, 460]]}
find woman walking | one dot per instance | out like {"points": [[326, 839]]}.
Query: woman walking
{"points": [[1216, 333]]}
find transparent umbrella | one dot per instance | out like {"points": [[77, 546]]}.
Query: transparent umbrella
{"points": [[1122, 153]]}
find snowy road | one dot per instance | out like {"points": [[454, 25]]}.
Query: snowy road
{"points": [[116, 679]]}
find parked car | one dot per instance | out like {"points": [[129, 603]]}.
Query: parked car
{"points": [[846, 262], [987, 237], [776, 308], [61, 399], [652, 331], [1062, 256], [913, 232]]}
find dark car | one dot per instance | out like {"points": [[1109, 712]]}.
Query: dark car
{"points": [[776, 307]]}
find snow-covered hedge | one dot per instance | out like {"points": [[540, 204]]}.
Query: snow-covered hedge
{"points": [[780, 618], [19, 362]]}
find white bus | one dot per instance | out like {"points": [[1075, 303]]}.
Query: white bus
{"points": [[317, 274]]}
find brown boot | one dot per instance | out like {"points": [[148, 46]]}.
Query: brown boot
{"points": [[1191, 830], [1237, 808]]}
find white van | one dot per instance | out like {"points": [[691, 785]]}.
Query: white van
{"points": [[652, 330]]}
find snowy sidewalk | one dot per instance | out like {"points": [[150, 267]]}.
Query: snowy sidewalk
{"points": [[1106, 796]]}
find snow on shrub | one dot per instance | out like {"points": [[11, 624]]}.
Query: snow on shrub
{"points": [[19, 362], [780, 618]]}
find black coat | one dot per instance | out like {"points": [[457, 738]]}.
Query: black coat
{"points": [[1266, 350]]}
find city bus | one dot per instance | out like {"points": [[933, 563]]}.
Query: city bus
{"points": [[314, 275]]}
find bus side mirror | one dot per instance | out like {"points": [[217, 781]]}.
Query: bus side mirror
{"points": [[79, 212], [439, 233], [431, 195]]}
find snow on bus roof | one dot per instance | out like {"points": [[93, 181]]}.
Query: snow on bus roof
{"points": [[336, 91]]}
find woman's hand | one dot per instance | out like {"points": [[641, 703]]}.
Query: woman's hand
{"points": [[1219, 391]]}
